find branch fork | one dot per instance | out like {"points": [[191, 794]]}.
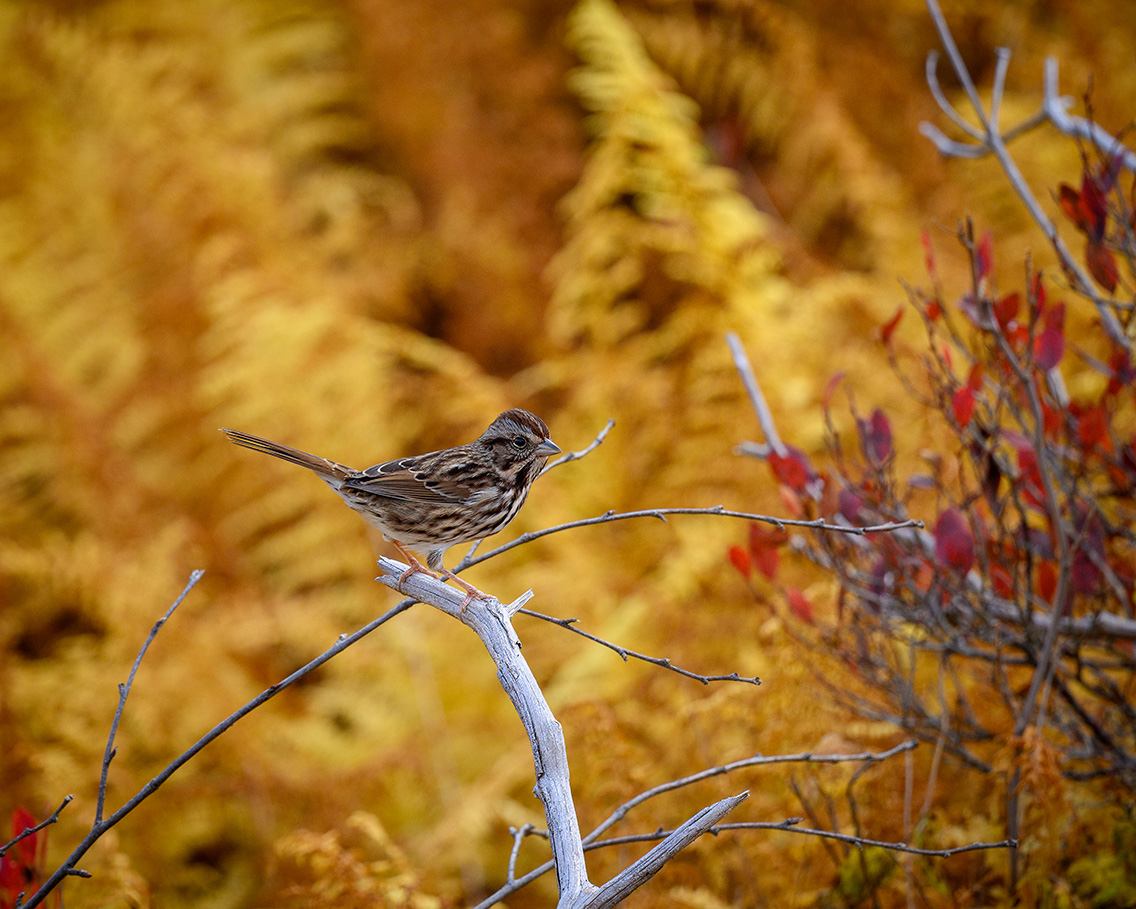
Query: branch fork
{"points": [[491, 621]]}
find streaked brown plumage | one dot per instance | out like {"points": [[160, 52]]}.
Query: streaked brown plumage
{"points": [[429, 502]]}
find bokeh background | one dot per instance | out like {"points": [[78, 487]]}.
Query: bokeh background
{"points": [[364, 228]]}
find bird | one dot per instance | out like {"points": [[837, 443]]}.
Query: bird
{"points": [[426, 503]]}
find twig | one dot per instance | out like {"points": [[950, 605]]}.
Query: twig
{"points": [[718, 510], [99, 828], [519, 834], [583, 452], [124, 690], [993, 141], [757, 760], [861, 841], [791, 825], [756, 396], [626, 654], [29, 831], [491, 622]]}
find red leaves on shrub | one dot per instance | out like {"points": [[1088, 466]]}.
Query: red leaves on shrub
{"points": [[983, 257], [740, 560], [1121, 373], [1049, 345], [1102, 265], [875, 437], [1006, 310], [850, 504], [1001, 580], [928, 254], [888, 328], [18, 867], [1071, 204], [800, 606], [1047, 581], [792, 469], [962, 406], [962, 402], [1087, 209], [764, 548], [954, 545], [1093, 206], [830, 389], [1092, 429]]}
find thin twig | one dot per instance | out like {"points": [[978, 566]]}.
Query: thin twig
{"points": [[29, 831], [99, 828], [790, 825], [583, 452], [756, 396], [718, 510], [758, 760], [994, 142], [124, 690], [625, 654]]}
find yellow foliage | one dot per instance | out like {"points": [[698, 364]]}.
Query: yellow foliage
{"points": [[328, 223], [360, 867]]}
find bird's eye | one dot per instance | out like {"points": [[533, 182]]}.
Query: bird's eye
{"points": [[519, 442]]}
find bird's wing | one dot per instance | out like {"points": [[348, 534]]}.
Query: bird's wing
{"points": [[410, 480]]}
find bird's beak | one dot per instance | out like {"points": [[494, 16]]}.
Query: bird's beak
{"points": [[547, 448]]}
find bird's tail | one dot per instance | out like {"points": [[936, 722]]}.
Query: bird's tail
{"points": [[328, 470]]}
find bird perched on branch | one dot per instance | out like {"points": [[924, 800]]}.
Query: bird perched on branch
{"points": [[429, 502]]}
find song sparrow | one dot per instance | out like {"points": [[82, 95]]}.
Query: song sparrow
{"points": [[429, 502]]}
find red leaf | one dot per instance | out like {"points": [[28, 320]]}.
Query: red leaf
{"points": [[928, 253], [933, 311], [888, 328], [875, 437], [974, 377], [982, 258], [1054, 317], [1048, 348], [1102, 265], [954, 545], [1001, 581], [740, 561], [1121, 372], [22, 819], [791, 469], [1092, 429], [850, 504], [1047, 581], [1093, 207], [791, 501], [1037, 293], [1006, 309], [1086, 575], [800, 605], [764, 549], [1052, 419], [1071, 204], [962, 404], [830, 389]]}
